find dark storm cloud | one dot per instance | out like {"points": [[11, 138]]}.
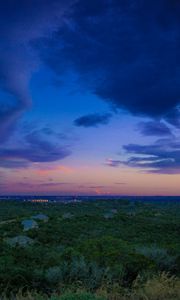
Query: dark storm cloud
{"points": [[127, 57], [33, 149], [93, 120], [154, 128], [161, 157], [127, 52]]}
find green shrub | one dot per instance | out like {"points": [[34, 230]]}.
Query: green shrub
{"points": [[106, 250], [88, 274], [160, 256]]}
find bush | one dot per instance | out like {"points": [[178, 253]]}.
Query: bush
{"points": [[106, 251], [136, 264], [78, 272], [163, 260], [159, 287]]}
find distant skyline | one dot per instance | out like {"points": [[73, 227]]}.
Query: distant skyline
{"points": [[90, 97]]}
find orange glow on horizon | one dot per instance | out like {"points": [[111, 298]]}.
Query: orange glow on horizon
{"points": [[105, 180], [54, 169]]}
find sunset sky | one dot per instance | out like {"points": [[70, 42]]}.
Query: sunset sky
{"points": [[90, 97]]}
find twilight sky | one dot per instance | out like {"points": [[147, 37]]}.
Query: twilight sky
{"points": [[90, 97]]}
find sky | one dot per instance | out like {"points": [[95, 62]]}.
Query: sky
{"points": [[90, 97]]}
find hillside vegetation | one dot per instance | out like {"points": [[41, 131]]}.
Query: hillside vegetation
{"points": [[94, 250]]}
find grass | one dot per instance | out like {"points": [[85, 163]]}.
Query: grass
{"points": [[159, 287]]}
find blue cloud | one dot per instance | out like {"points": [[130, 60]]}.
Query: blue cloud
{"points": [[22, 24], [34, 148], [163, 156], [93, 120], [154, 128]]}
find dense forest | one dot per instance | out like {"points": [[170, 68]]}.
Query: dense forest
{"points": [[103, 249]]}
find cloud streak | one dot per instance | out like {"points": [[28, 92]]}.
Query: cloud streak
{"points": [[35, 149], [113, 162], [155, 128], [161, 157], [93, 120]]}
